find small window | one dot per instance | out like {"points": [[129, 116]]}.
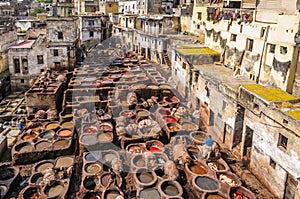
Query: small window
{"points": [[91, 22], [285, 122], [282, 141], [262, 32], [40, 59], [272, 163], [200, 15], [211, 118], [249, 45], [198, 26], [109, 4], [233, 37], [224, 106], [283, 50], [55, 52], [91, 34], [60, 35], [17, 65], [22, 81], [184, 65], [272, 48]]}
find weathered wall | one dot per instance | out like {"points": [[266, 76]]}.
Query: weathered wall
{"points": [[7, 39]]}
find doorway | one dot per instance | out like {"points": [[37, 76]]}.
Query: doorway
{"points": [[290, 187], [248, 146]]}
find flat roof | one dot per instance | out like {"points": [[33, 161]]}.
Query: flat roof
{"points": [[192, 50], [24, 44], [269, 94]]}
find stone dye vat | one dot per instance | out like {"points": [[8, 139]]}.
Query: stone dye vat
{"points": [[8, 177]]}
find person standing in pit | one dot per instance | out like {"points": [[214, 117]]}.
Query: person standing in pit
{"points": [[207, 147]]}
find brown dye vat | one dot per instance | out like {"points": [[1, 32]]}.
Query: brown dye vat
{"points": [[64, 162], [198, 137], [92, 157], [37, 127], [173, 127], [105, 137], [214, 196], [143, 113], [52, 126], [23, 147], [36, 178], [145, 177], [42, 145], [67, 125], [65, 133], [47, 134], [92, 196], [91, 183], [150, 193], [92, 168], [106, 127], [138, 161], [170, 189], [189, 126], [111, 194], [197, 169], [29, 136], [139, 86], [54, 190], [206, 183], [6, 173], [61, 144], [43, 166]]}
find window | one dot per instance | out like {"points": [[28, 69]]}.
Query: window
{"points": [[272, 48], [55, 52], [262, 32], [200, 15], [17, 65], [22, 81], [285, 122], [91, 34], [283, 50], [60, 35], [249, 45], [109, 4], [91, 22], [184, 65], [233, 37], [198, 26], [282, 141], [211, 118], [40, 59], [224, 106], [272, 163]]}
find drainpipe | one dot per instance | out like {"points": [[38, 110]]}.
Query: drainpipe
{"points": [[263, 53]]}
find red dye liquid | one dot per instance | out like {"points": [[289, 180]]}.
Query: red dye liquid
{"points": [[90, 130], [155, 149]]}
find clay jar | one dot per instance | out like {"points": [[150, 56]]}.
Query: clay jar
{"points": [[145, 178], [205, 184], [195, 168], [170, 189], [198, 137]]}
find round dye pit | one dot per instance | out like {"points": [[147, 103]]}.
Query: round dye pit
{"points": [[93, 168], [91, 183], [92, 157], [61, 144], [108, 157], [65, 133], [89, 140], [170, 189], [42, 145], [52, 126], [206, 183], [143, 113], [127, 113], [54, 190], [138, 161], [111, 194], [47, 134], [36, 178], [105, 178], [164, 112], [229, 179], [189, 126], [31, 192], [136, 149], [24, 147], [145, 177], [106, 127], [43, 166], [29, 136], [92, 196], [198, 169], [198, 137], [216, 166], [150, 193], [64, 162], [6, 173], [170, 119], [90, 130], [173, 127], [214, 196], [67, 125], [105, 137]]}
